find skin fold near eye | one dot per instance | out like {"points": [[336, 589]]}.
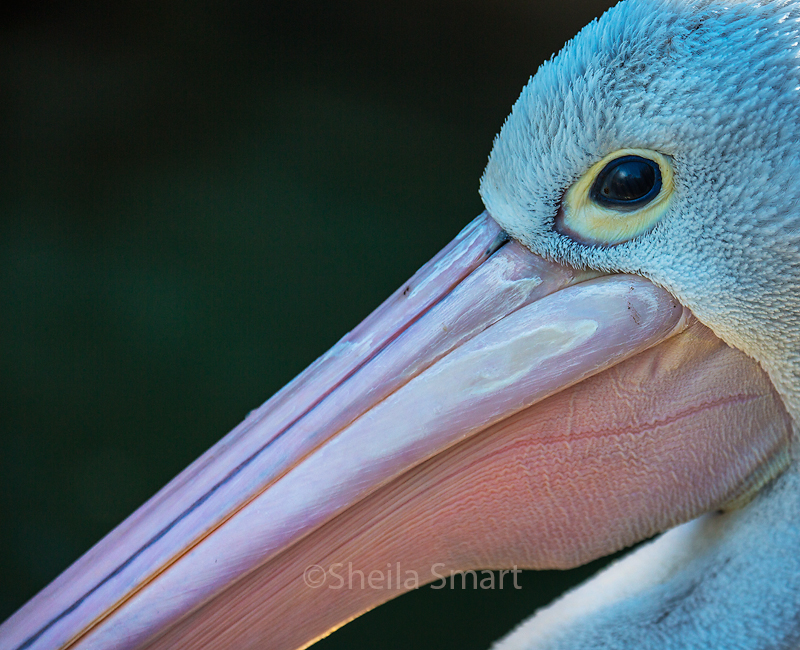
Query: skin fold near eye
{"points": [[585, 220]]}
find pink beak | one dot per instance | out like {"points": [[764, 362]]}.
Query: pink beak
{"points": [[497, 411]]}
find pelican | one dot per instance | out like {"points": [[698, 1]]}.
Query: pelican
{"points": [[610, 351]]}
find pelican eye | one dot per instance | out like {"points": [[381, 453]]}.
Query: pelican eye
{"points": [[627, 183], [621, 196]]}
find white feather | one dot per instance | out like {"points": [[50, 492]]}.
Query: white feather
{"points": [[727, 582]]}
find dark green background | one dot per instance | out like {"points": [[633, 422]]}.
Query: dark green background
{"points": [[197, 200]]}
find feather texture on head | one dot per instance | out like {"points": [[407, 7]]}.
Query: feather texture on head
{"points": [[715, 86]]}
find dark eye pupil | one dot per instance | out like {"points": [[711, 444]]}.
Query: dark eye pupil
{"points": [[627, 183]]}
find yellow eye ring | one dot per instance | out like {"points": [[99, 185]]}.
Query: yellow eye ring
{"points": [[592, 215]]}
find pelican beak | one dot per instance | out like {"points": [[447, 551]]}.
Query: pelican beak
{"points": [[497, 411]]}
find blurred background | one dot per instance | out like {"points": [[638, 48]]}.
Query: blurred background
{"points": [[197, 199]]}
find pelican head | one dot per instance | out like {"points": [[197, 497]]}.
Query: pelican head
{"points": [[709, 91], [610, 351], [713, 87]]}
